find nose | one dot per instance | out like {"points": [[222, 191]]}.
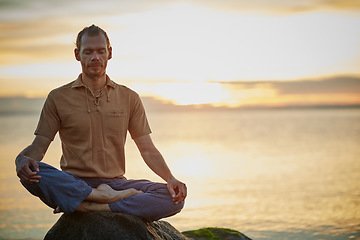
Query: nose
{"points": [[95, 57]]}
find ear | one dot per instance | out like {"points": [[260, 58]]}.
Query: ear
{"points": [[110, 53], [77, 54]]}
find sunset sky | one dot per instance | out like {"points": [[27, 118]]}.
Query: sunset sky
{"points": [[219, 52]]}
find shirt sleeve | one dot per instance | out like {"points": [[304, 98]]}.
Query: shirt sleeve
{"points": [[138, 123], [49, 122]]}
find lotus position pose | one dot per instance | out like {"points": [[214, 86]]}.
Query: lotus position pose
{"points": [[92, 116]]}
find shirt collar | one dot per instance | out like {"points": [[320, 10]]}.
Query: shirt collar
{"points": [[79, 83]]}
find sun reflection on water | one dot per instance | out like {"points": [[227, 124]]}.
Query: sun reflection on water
{"points": [[252, 171]]}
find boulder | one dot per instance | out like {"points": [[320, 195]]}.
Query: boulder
{"points": [[113, 226], [106, 225]]}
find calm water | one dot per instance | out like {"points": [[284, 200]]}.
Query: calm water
{"points": [[271, 174]]}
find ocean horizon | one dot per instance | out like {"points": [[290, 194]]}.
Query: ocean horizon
{"points": [[24, 105]]}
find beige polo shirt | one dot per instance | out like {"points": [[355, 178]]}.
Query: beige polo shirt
{"points": [[93, 130]]}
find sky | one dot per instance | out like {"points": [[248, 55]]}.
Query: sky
{"points": [[230, 53]]}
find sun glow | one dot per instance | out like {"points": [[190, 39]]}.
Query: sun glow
{"points": [[184, 53], [195, 52], [188, 43], [185, 93]]}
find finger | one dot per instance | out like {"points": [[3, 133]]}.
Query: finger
{"points": [[172, 191], [29, 180], [28, 176], [183, 190], [35, 178], [26, 172], [178, 198], [35, 165], [181, 195], [32, 176]]}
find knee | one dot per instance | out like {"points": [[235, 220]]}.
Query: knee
{"points": [[33, 188], [36, 190], [164, 212], [178, 207]]}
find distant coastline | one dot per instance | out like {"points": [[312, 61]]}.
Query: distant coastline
{"points": [[23, 105]]}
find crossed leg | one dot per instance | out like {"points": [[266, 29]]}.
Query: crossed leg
{"points": [[67, 193], [100, 197]]}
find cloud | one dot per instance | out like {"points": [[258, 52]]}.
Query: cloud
{"points": [[342, 4], [279, 6], [39, 9], [182, 42], [325, 86], [36, 40], [47, 28], [331, 85], [15, 10]]}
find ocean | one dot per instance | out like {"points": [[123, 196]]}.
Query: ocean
{"points": [[270, 173]]}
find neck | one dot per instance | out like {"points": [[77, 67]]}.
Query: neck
{"points": [[94, 83]]}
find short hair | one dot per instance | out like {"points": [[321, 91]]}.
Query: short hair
{"points": [[91, 31]]}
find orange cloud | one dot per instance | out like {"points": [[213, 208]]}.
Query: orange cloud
{"points": [[341, 90]]}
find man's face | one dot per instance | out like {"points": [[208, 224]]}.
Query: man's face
{"points": [[93, 55]]}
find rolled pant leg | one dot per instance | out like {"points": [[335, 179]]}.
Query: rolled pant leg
{"points": [[59, 188], [153, 204]]}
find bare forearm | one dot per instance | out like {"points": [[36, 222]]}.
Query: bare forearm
{"points": [[37, 149], [31, 152], [157, 164], [153, 157], [177, 189]]}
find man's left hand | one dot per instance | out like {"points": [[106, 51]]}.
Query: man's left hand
{"points": [[177, 189]]}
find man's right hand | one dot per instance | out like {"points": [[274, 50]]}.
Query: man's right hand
{"points": [[26, 163], [27, 170]]}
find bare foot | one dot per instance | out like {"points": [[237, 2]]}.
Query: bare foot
{"points": [[105, 194], [100, 197], [86, 206]]}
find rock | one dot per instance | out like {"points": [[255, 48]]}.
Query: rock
{"points": [[106, 225], [215, 234]]}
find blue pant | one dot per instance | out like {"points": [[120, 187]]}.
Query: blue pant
{"points": [[60, 188]]}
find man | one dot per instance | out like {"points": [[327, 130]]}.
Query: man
{"points": [[92, 115]]}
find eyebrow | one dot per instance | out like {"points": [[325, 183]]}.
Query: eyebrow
{"points": [[94, 49]]}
